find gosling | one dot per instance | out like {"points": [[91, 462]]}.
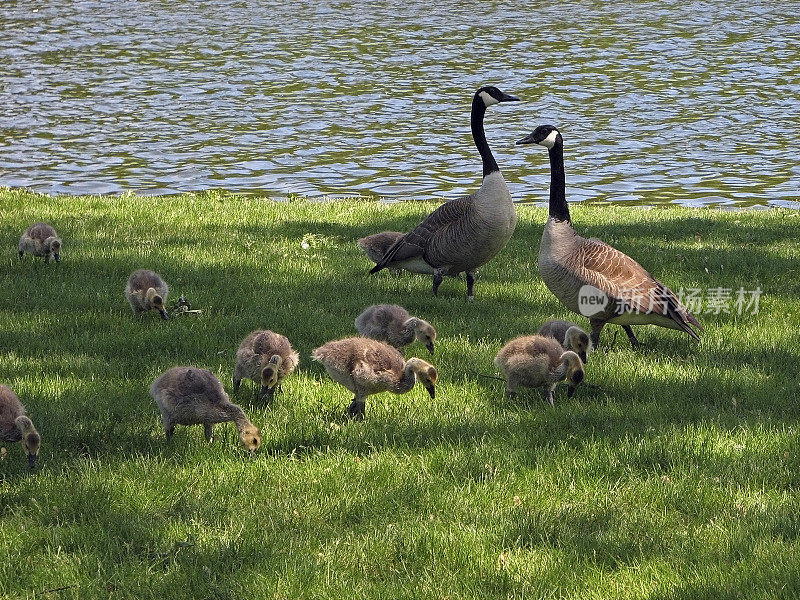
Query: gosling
{"points": [[146, 291], [367, 367], [570, 336], [265, 357], [376, 245], [192, 396], [535, 361], [392, 324], [15, 425], [40, 239]]}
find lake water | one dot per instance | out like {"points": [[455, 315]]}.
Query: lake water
{"points": [[696, 103]]}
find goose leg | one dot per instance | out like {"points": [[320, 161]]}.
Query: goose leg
{"points": [[634, 342], [169, 431], [597, 327], [470, 285], [21, 252], [357, 409], [236, 384], [209, 430], [437, 280]]}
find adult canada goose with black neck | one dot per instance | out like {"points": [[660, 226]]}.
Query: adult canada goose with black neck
{"points": [[467, 232], [592, 278]]}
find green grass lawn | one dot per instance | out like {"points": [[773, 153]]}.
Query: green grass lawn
{"points": [[677, 477]]}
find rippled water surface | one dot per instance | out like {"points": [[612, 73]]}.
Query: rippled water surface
{"points": [[670, 101]]}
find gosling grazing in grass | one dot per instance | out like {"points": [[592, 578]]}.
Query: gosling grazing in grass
{"points": [[592, 278], [15, 425], [393, 324], [376, 245], [367, 367], [192, 396], [569, 335], [464, 233], [40, 239], [267, 358], [535, 361], [146, 291]]}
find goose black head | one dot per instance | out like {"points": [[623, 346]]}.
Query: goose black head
{"points": [[544, 135], [491, 95]]}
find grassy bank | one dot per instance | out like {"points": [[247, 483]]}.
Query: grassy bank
{"points": [[678, 477]]}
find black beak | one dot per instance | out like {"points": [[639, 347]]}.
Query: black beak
{"points": [[570, 391], [431, 391], [163, 314], [57, 256], [508, 98], [528, 139], [429, 347], [583, 357], [32, 460]]}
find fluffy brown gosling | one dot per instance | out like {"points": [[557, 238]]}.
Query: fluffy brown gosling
{"points": [[393, 324], [535, 361], [376, 245], [570, 336], [367, 367], [192, 396], [267, 358], [146, 291], [15, 425], [40, 239]]}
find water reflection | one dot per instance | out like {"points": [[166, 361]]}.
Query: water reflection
{"points": [[658, 102]]}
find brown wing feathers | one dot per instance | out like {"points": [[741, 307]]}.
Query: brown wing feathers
{"points": [[626, 282]]}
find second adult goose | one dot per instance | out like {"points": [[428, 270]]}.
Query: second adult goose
{"points": [[467, 232], [592, 278]]}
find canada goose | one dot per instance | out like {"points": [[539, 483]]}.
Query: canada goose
{"points": [[392, 324], [367, 367], [592, 278], [146, 291], [569, 335], [267, 358], [376, 245], [535, 361], [40, 239], [467, 232], [192, 396], [15, 425]]}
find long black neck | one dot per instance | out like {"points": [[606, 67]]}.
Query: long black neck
{"points": [[559, 209], [478, 134]]}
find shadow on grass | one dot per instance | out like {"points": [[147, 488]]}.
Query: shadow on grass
{"points": [[87, 330]]}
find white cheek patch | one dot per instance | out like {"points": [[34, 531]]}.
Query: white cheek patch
{"points": [[550, 140], [488, 99]]}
